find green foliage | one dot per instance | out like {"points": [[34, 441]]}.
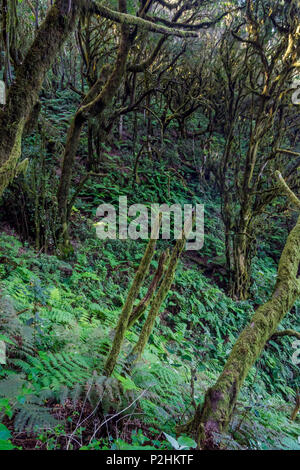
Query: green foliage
{"points": [[64, 358], [69, 310], [54, 370], [58, 318], [182, 443], [28, 409], [5, 435]]}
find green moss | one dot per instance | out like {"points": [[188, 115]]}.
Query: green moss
{"points": [[162, 293], [128, 305], [10, 168], [220, 400]]}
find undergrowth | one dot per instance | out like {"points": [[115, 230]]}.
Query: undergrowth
{"points": [[58, 319]]}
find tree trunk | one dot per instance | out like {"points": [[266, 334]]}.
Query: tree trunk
{"points": [[160, 296], [24, 92], [97, 99], [129, 303], [296, 409], [220, 400], [242, 254]]}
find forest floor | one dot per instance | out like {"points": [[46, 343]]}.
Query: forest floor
{"points": [[58, 317], [71, 307]]}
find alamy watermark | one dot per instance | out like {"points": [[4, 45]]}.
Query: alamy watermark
{"points": [[144, 226], [2, 352], [2, 92], [296, 94], [296, 354]]}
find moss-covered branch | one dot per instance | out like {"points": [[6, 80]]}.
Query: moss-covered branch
{"points": [[143, 65], [221, 399], [280, 334], [144, 303], [193, 26], [131, 297], [130, 20], [290, 194], [159, 298]]}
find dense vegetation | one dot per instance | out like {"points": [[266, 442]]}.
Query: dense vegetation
{"points": [[141, 344]]}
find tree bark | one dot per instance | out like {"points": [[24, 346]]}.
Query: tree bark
{"points": [[24, 92], [242, 257], [160, 296], [98, 98], [220, 400], [131, 297]]}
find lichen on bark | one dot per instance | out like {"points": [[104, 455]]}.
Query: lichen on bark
{"points": [[131, 297], [23, 93], [10, 168], [161, 295], [220, 400]]}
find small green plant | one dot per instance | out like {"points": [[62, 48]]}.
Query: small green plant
{"points": [[5, 436], [181, 443]]}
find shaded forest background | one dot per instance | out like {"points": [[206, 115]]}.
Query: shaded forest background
{"points": [[123, 344]]}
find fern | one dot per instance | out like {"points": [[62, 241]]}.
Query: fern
{"points": [[61, 317], [32, 415], [108, 393], [11, 326], [53, 370], [29, 410]]}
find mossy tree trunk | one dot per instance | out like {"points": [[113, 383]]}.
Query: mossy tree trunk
{"points": [[220, 400], [242, 251], [243, 237], [24, 92], [144, 303], [161, 295], [127, 309], [96, 101]]}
